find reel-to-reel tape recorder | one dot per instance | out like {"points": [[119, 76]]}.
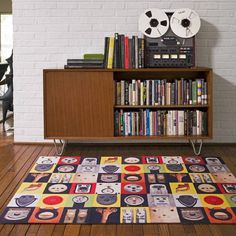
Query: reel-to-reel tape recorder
{"points": [[169, 37]]}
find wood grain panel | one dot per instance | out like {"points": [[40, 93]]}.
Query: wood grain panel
{"points": [[78, 104]]}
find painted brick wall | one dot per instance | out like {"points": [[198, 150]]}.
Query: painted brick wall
{"points": [[47, 32]]}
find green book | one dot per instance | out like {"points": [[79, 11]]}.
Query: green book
{"points": [[93, 56], [194, 92]]}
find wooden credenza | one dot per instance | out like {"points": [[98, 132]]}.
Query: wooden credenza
{"points": [[80, 103]]}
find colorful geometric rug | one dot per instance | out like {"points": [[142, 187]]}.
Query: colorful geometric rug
{"points": [[114, 189]]}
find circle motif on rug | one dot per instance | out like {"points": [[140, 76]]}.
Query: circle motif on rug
{"points": [[207, 188], [132, 168], [69, 160], [213, 200], [80, 199], [52, 200], [133, 188], [66, 168], [57, 188], [131, 160], [193, 160], [134, 200], [197, 168], [132, 178]]}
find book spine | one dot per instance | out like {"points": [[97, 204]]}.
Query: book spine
{"points": [[148, 122], [110, 53], [142, 52], [180, 122], [190, 93], [136, 51], [116, 121], [122, 50], [106, 48], [126, 93], [115, 56], [147, 92], [139, 53], [194, 92], [130, 54], [122, 93], [133, 92], [130, 95], [126, 52], [199, 91], [118, 93]]}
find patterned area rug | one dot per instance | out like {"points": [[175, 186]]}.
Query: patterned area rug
{"points": [[114, 189]]}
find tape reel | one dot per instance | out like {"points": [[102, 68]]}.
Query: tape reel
{"points": [[154, 23], [185, 23]]}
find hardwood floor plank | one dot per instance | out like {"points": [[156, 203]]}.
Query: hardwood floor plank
{"points": [[46, 230], [189, 230], [72, 230], [19, 229], [110, 230], [86, 229], [176, 229], [9, 156], [162, 229], [149, 230], [6, 229], [15, 182], [137, 230], [33, 229], [203, 230], [58, 230], [124, 230]]}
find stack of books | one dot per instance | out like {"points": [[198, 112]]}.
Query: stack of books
{"points": [[124, 52], [90, 60], [83, 63]]}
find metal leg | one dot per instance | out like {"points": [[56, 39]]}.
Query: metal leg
{"points": [[194, 143], [59, 147]]}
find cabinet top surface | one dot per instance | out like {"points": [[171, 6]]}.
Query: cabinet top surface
{"points": [[205, 69]]}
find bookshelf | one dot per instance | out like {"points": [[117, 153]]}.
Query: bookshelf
{"points": [[79, 104]]}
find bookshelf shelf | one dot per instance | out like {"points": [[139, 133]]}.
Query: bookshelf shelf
{"points": [[81, 103]]}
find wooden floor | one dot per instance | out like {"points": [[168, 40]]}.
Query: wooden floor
{"points": [[16, 161]]}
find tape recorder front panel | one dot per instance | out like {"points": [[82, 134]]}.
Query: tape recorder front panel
{"points": [[169, 51]]}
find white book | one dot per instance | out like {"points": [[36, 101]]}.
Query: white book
{"points": [[133, 92], [130, 94], [151, 128], [136, 91], [180, 122], [141, 93], [147, 93]]}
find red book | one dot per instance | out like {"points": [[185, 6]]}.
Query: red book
{"points": [[126, 52]]}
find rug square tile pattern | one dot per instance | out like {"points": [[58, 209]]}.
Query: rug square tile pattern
{"points": [[128, 189]]}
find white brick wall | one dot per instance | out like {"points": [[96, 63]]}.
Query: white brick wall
{"points": [[47, 32]]}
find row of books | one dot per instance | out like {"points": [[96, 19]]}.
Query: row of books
{"points": [[161, 92], [161, 122], [123, 52]]}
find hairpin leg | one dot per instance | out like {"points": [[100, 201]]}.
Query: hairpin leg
{"points": [[59, 147], [194, 143]]}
